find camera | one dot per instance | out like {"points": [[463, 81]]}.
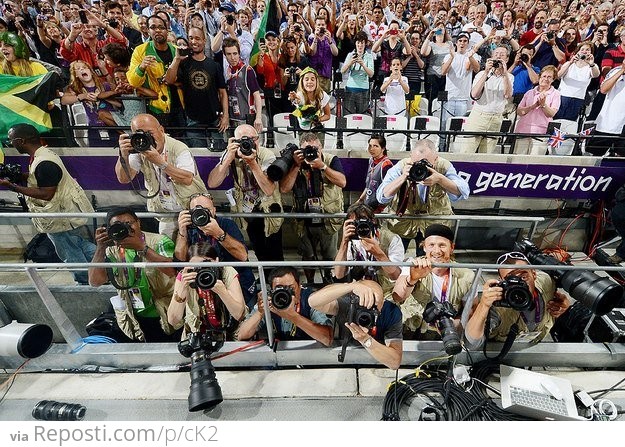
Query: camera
{"points": [[118, 231], [442, 314], [206, 277], [292, 74], [419, 171], [283, 163], [184, 51], [360, 315], [230, 19], [598, 294], [83, 16], [113, 23], [310, 153], [322, 30], [524, 58], [142, 141], [582, 57], [496, 63], [200, 216], [42, 17], [364, 228], [50, 410], [516, 294], [204, 392], [246, 145], [13, 173], [282, 296], [551, 35], [297, 29]]}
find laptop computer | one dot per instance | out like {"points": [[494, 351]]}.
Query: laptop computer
{"points": [[537, 396]]}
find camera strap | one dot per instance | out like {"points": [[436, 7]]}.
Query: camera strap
{"points": [[114, 274], [406, 190], [122, 161], [512, 334]]}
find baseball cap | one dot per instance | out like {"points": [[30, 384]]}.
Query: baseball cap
{"points": [[271, 34], [229, 7]]}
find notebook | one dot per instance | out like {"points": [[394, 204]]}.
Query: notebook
{"points": [[537, 396]]}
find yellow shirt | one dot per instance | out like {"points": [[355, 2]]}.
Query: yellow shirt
{"points": [[37, 68]]}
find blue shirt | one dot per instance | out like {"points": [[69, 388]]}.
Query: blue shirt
{"points": [[522, 82], [451, 174]]}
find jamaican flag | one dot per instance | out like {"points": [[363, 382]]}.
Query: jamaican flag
{"points": [[268, 22], [24, 99]]}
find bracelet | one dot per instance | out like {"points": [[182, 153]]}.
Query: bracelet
{"points": [[323, 169], [408, 282], [178, 298], [144, 252]]}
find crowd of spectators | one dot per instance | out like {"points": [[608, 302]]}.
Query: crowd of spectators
{"points": [[192, 64], [176, 54]]}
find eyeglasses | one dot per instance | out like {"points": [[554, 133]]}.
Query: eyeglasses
{"points": [[516, 255], [157, 28], [200, 194]]}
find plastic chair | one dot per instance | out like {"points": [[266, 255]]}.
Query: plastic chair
{"points": [[456, 123], [357, 140], [281, 137], [78, 117], [427, 122], [396, 141]]}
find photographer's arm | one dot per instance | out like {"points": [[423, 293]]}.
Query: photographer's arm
{"points": [[222, 169], [176, 309], [474, 330], [232, 297], [388, 190], [176, 174], [339, 271], [324, 300], [248, 328], [288, 181], [388, 354], [98, 276], [120, 172]]}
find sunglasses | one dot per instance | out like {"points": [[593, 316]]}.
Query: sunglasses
{"points": [[200, 194], [515, 255]]}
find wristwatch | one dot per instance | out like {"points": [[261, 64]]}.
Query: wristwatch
{"points": [[368, 342], [222, 237]]}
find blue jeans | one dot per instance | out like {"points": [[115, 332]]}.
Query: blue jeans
{"points": [[202, 138], [453, 107], [74, 246]]}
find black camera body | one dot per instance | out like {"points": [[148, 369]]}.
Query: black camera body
{"points": [[360, 315], [524, 58], [516, 294], [496, 63], [118, 231], [142, 141], [230, 19], [364, 228], [11, 172], [246, 145], [582, 57], [311, 153], [419, 171], [282, 297], [596, 293], [206, 277], [442, 314], [551, 35], [200, 216], [283, 163], [184, 51], [113, 23]]}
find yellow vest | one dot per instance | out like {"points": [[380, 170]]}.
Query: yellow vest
{"points": [[272, 224], [437, 203], [173, 149], [68, 198], [412, 309]]}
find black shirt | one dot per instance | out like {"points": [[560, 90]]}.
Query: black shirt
{"points": [[167, 59], [200, 82]]}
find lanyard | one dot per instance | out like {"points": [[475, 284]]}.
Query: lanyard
{"points": [[445, 288]]}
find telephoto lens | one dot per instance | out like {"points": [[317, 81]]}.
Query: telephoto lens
{"points": [[50, 410], [441, 314]]}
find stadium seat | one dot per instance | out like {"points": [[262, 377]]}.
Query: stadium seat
{"points": [[78, 117], [357, 140], [330, 141], [281, 137], [425, 123], [569, 128], [455, 123], [396, 141]]}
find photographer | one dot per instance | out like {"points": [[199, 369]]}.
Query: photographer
{"points": [[550, 49], [322, 50], [213, 301], [200, 223], [143, 293], [51, 189], [421, 283], [365, 240], [546, 304], [292, 319], [424, 184], [230, 29], [359, 68], [317, 181], [384, 340], [491, 90], [524, 71], [254, 192], [168, 168]]}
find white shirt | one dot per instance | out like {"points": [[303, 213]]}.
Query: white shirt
{"points": [[458, 82], [167, 194], [575, 81], [475, 36], [374, 32], [395, 250], [611, 119], [395, 100], [492, 99]]}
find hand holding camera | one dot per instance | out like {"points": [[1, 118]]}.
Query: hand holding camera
{"points": [[102, 238]]}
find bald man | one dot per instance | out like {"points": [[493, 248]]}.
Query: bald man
{"points": [[253, 191], [169, 170]]}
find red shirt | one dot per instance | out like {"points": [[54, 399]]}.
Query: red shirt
{"points": [[270, 71], [82, 52]]}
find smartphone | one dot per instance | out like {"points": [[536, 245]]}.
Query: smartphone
{"points": [[83, 16], [438, 31], [351, 17], [393, 32], [261, 41], [500, 33]]}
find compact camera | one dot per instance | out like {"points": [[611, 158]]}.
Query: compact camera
{"points": [[496, 63], [184, 51]]}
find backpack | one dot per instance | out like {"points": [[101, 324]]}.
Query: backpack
{"points": [[41, 249]]}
